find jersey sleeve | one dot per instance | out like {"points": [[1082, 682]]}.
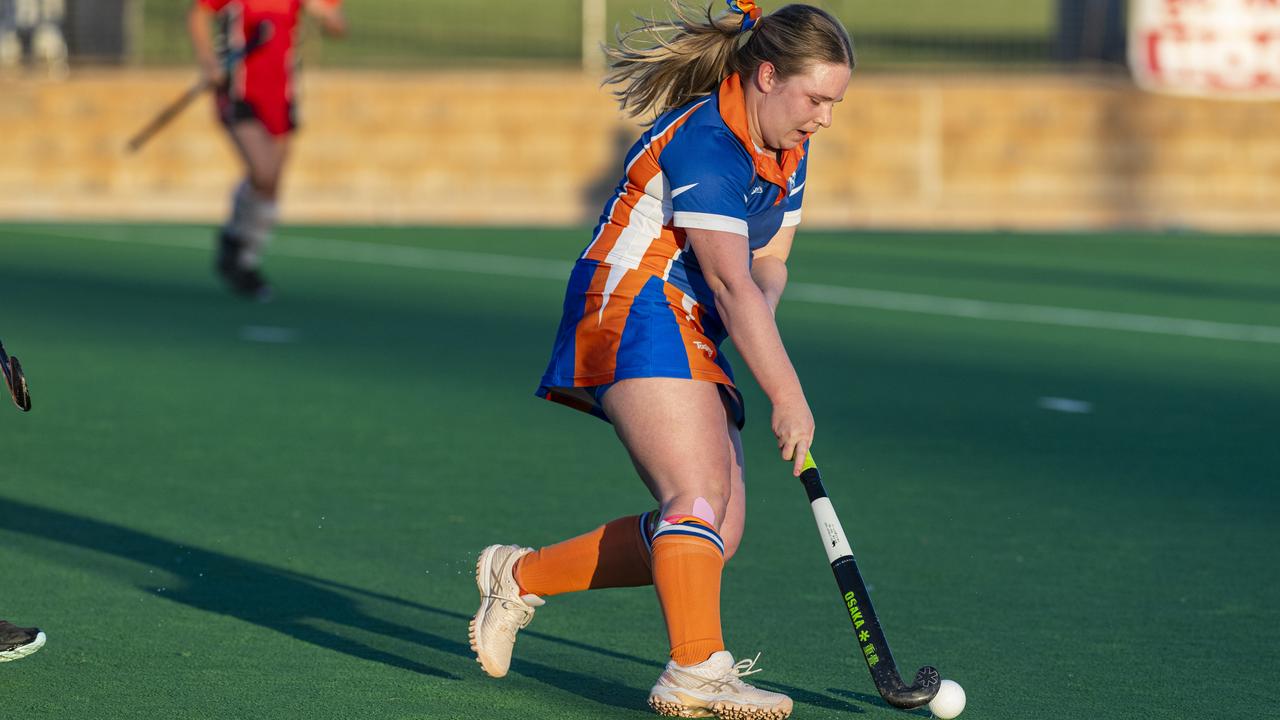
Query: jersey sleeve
{"points": [[214, 5], [709, 175], [791, 217]]}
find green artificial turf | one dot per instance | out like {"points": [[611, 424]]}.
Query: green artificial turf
{"points": [[209, 525]]}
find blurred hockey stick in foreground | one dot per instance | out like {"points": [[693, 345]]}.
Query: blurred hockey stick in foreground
{"points": [[15, 381]]}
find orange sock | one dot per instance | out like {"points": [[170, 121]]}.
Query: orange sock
{"points": [[612, 555], [687, 563]]}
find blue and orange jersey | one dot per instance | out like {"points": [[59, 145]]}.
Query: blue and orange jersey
{"points": [[637, 304], [697, 167]]}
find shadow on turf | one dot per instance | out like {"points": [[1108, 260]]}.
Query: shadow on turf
{"points": [[800, 695], [295, 604]]}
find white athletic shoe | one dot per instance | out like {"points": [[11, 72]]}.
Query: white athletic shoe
{"points": [[503, 610], [714, 688]]}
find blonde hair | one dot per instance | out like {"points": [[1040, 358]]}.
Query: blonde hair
{"points": [[663, 64]]}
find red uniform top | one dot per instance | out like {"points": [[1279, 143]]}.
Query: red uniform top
{"points": [[262, 79]]}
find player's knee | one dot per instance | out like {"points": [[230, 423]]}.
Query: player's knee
{"points": [[706, 504], [266, 185]]}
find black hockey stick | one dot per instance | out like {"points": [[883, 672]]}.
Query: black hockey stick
{"points": [[15, 381], [262, 33], [866, 627]]}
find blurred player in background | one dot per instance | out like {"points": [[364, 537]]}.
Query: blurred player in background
{"points": [[251, 64], [690, 250], [10, 42], [17, 642], [39, 23]]}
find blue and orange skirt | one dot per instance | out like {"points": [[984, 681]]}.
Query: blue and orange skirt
{"points": [[620, 324]]}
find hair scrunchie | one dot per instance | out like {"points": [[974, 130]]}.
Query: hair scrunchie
{"points": [[749, 11]]}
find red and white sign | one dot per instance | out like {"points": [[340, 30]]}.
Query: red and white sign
{"points": [[1216, 48]]}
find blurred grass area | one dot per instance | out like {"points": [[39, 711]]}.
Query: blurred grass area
{"points": [[421, 34]]}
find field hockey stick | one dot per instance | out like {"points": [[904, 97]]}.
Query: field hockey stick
{"points": [[165, 116], [857, 602], [261, 35], [15, 381]]}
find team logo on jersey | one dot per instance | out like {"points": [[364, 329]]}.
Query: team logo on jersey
{"points": [[706, 349], [757, 189], [792, 187]]}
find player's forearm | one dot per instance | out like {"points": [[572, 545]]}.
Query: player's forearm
{"points": [[334, 24], [202, 42], [748, 316], [770, 275], [329, 12]]}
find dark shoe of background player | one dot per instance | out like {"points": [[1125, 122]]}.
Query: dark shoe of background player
{"points": [[244, 281], [18, 642], [15, 381]]}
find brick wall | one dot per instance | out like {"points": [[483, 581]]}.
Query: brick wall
{"points": [[540, 147]]}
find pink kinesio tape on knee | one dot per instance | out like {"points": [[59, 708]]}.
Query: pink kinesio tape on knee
{"points": [[702, 509]]}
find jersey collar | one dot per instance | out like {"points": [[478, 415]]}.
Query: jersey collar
{"points": [[733, 110]]}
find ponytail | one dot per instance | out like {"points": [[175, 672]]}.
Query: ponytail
{"points": [[663, 64]]}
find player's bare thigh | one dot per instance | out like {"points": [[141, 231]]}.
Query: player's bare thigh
{"points": [[685, 447], [264, 155]]}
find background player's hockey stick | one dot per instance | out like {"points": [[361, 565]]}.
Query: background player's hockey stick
{"points": [[866, 627], [15, 381], [261, 35]]}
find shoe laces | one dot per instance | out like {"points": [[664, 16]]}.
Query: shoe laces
{"points": [[731, 678], [745, 667], [516, 617]]}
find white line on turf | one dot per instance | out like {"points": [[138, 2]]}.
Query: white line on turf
{"points": [[1066, 405], [1037, 314], [516, 266], [120, 235], [414, 257]]}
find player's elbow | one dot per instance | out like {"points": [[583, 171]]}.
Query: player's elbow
{"points": [[728, 285], [737, 295]]}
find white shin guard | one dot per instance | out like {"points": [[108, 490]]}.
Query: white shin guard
{"points": [[253, 217]]}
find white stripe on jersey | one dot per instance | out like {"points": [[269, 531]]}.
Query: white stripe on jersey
{"points": [[615, 276], [663, 131], [644, 225], [666, 272], [709, 221], [664, 196], [688, 304], [790, 218]]}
